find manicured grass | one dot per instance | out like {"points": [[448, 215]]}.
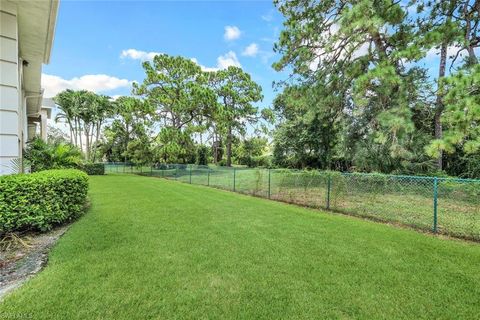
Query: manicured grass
{"points": [[157, 249], [406, 202]]}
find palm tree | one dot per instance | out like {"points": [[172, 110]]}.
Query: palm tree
{"points": [[65, 101], [84, 112]]}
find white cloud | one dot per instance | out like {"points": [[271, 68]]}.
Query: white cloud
{"points": [[231, 33], [361, 51], [204, 68], [268, 16], [227, 60], [92, 82], [138, 54], [251, 50], [223, 62]]}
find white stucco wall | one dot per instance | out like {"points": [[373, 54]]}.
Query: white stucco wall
{"points": [[11, 124]]}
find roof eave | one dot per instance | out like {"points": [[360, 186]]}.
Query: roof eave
{"points": [[51, 30]]}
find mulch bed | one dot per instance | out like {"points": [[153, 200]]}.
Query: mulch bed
{"points": [[22, 256]]}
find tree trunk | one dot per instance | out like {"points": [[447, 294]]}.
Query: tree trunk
{"points": [[439, 101], [472, 58], [75, 132], [229, 147], [99, 126], [71, 131], [79, 132], [215, 148], [127, 139], [216, 152], [87, 142]]}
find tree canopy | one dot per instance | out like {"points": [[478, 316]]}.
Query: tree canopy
{"points": [[174, 113], [359, 97]]}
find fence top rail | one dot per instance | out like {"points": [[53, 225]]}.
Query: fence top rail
{"points": [[412, 177], [394, 176]]}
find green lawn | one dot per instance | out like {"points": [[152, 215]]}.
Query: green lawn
{"points": [[157, 249], [405, 202]]}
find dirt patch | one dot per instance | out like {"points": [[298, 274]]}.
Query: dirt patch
{"points": [[22, 257]]}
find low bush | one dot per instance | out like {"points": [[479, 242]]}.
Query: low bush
{"points": [[41, 155], [40, 200], [93, 169]]}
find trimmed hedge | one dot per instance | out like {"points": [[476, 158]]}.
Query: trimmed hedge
{"points": [[93, 169], [40, 200]]}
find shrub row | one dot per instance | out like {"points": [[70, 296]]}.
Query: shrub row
{"points": [[93, 169], [42, 199]]}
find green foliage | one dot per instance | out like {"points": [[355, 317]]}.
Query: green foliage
{"points": [[175, 87], [93, 169], [263, 161], [462, 113], [359, 97], [139, 152], [203, 152], [43, 156], [236, 93], [251, 152], [181, 100], [349, 60], [174, 146], [468, 166], [38, 201], [309, 122], [184, 103], [127, 138], [84, 112]]}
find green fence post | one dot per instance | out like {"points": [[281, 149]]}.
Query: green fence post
{"points": [[329, 186], [151, 170], [435, 204], [269, 183], [233, 179], [208, 177], [163, 172], [176, 172], [190, 174]]}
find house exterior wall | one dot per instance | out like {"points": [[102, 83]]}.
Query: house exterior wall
{"points": [[12, 113]]}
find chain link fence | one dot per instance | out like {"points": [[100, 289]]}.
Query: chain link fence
{"points": [[441, 205]]}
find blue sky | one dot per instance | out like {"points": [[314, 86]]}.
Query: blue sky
{"points": [[99, 46]]}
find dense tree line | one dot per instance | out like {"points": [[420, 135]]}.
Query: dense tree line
{"points": [[178, 114], [360, 96]]}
